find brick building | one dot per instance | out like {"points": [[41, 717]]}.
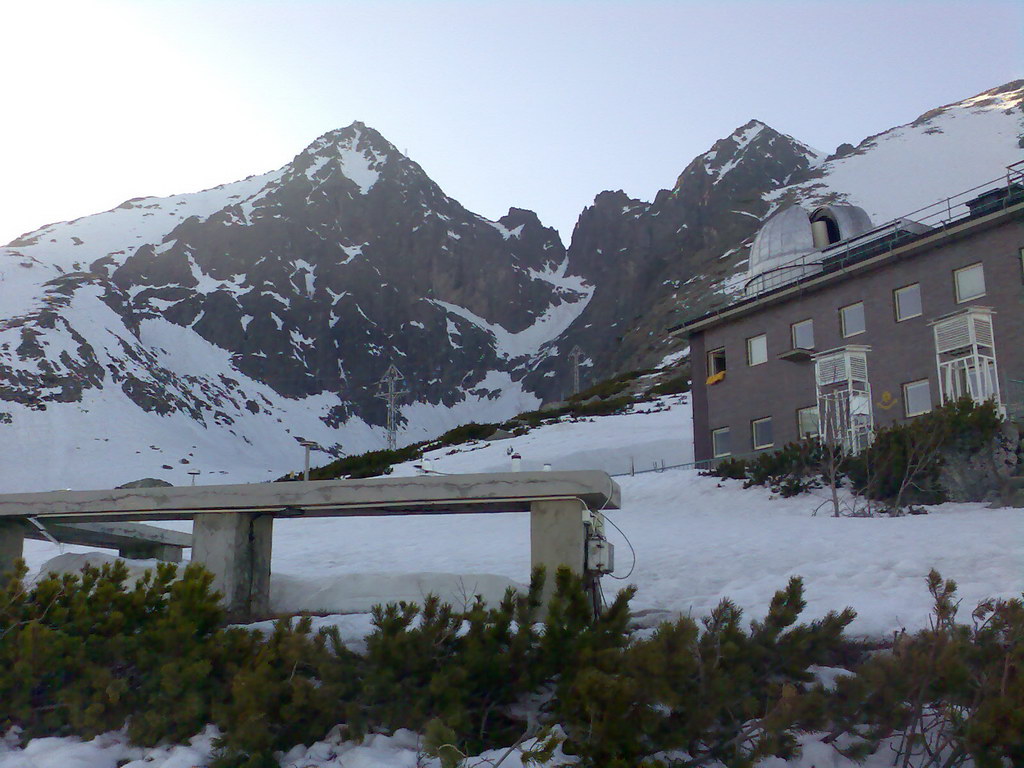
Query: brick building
{"points": [[845, 327]]}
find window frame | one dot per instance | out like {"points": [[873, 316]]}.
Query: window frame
{"points": [[753, 433], [714, 448], [764, 338], [801, 435], [896, 302], [792, 332], [906, 400], [956, 282], [842, 319], [711, 353]]}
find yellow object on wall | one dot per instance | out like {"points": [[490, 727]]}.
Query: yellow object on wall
{"points": [[714, 378]]}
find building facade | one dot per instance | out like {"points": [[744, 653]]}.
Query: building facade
{"points": [[845, 331]]}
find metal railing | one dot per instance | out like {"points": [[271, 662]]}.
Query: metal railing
{"points": [[702, 464], [980, 200]]}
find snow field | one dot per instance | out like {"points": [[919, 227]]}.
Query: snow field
{"points": [[697, 539]]}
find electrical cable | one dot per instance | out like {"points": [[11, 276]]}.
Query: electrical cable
{"points": [[607, 501], [628, 543]]}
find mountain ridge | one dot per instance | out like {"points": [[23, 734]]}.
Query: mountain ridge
{"points": [[221, 327]]}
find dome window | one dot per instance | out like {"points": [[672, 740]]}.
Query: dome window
{"points": [[824, 229]]}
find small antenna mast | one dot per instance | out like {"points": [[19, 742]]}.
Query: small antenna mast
{"points": [[574, 358], [389, 389]]}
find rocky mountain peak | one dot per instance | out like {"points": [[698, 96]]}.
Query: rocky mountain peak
{"points": [[357, 153], [753, 143]]}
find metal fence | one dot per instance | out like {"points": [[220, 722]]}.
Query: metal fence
{"points": [[702, 464]]}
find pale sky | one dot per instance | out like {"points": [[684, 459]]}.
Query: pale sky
{"points": [[537, 105]]}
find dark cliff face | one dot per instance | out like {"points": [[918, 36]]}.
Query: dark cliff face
{"points": [[655, 263], [344, 265]]}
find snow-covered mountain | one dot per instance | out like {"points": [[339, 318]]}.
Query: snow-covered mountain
{"points": [[943, 152], [654, 265], [216, 329]]}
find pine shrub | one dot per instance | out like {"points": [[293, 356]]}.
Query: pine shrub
{"points": [[465, 433], [290, 690], [674, 386], [947, 695], [81, 654], [733, 469], [901, 465], [369, 464], [84, 654], [793, 469], [719, 693]]}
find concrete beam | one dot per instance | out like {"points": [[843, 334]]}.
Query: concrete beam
{"points": [[12, 544], [132, 540], [557, 539], [142, 551], [491, 492], [236, 549]]}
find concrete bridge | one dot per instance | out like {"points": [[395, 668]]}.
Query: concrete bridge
{"points": [[232, 529]]}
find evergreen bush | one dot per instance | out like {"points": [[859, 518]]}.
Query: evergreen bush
{"points": [[290, 689], [609, 387], [465, 433], [369, 464], [84, 654], [947, 695], [901, 465], [81, 654], [733, 469], [719, 693], [674, 386]]}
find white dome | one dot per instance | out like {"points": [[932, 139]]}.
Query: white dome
{"points": [[784, 237], [793, 233]]}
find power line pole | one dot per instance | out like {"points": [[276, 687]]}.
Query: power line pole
{"points": [[574, 358], [389, 389]]}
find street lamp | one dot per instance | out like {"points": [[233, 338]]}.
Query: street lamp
{"points": [[195, 473], [307, 444]]}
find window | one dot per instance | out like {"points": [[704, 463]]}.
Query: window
{"points": [[917, 397], [803, 334], [807, 422], [907, 301], [720, 442], [761, 431], [716, 361], [851, 319], [757, 350], [970, 283]]}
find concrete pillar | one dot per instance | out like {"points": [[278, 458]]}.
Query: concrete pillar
{"points": [[236, 548], [556, 539], [12, 543], [169, 553]]}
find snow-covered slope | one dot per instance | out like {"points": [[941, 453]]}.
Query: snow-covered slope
{"points": [[940, 154], [696, 540], [214, 330]]}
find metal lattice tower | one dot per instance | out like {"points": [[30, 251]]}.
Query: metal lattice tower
{"points": [[574, 358], [389, 389]]}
